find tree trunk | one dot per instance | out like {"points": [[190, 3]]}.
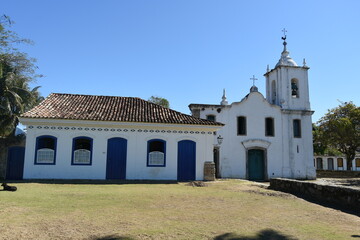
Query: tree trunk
{"points": [[348, 164], [3, 160]]}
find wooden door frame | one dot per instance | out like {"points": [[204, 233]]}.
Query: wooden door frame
{"points": [[216, 159], [265, 161]]}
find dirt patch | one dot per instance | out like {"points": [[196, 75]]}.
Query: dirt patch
{"points": [[270, 193], [197, 184], [257, 188]]}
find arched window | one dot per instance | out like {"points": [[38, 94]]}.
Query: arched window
{"points": [[45, 151], [156, 154], [82, 151], [273, 92], [294, 88]]}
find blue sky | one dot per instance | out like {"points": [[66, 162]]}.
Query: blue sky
{"points": [[189, 50]]}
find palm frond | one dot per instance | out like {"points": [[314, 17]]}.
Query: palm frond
{"points": [[8, 123]]}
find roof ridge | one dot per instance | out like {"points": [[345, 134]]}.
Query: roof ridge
{"points": [[92, 95], [109, 108]]}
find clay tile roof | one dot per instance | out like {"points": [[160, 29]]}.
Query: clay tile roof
{"points": [[109, 108]]}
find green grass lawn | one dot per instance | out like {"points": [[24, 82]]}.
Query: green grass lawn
{"points": [[229, 209]]}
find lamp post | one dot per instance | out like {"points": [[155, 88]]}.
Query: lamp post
{"points": [[220, 140], [217, 156]]}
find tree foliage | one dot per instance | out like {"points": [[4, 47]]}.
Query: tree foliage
{"points": [[321, 143], [160, 101], [17, 71], [8, 38], [340, 129]]}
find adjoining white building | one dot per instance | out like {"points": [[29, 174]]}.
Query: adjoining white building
{"points": [[101, 137], [266, 137], [335, 163]]}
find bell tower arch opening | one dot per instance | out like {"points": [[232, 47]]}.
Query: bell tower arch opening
{"points": [[273, 92], [294, 88]]}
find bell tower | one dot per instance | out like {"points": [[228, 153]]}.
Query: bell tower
{"points": [[287, 84]]}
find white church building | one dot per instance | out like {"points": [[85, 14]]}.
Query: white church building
{"points": [[265, 137]]}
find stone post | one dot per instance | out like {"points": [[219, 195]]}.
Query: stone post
{"points": [[209, 171]]}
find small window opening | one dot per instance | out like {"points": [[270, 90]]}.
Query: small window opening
{"points": [[241, 125], [297, 128], [211, 118], [269, 127]]}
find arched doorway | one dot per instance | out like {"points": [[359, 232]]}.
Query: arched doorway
{"points": [[256, 164]]}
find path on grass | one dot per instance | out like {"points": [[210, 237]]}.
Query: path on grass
{"points": [[345, 182]]}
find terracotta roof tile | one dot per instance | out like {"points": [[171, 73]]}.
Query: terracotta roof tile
{"points": [[109, 108]]}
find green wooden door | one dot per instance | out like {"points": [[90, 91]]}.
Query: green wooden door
{"points": [[256, 164]]}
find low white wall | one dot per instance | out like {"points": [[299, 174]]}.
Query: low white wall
{"points": [[325, 163]]}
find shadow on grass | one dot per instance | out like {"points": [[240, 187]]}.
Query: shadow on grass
{"points": [[266, 234], [355, 236], [113, 237]]}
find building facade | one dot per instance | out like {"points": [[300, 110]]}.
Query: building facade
{"points": [[266, 137], [101, 137]]}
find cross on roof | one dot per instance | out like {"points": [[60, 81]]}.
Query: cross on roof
{"points": [[254, 79], [284, 31]]}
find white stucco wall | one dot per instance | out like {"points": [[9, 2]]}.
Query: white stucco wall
{"points": [[285, 156], [137, 136]]}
